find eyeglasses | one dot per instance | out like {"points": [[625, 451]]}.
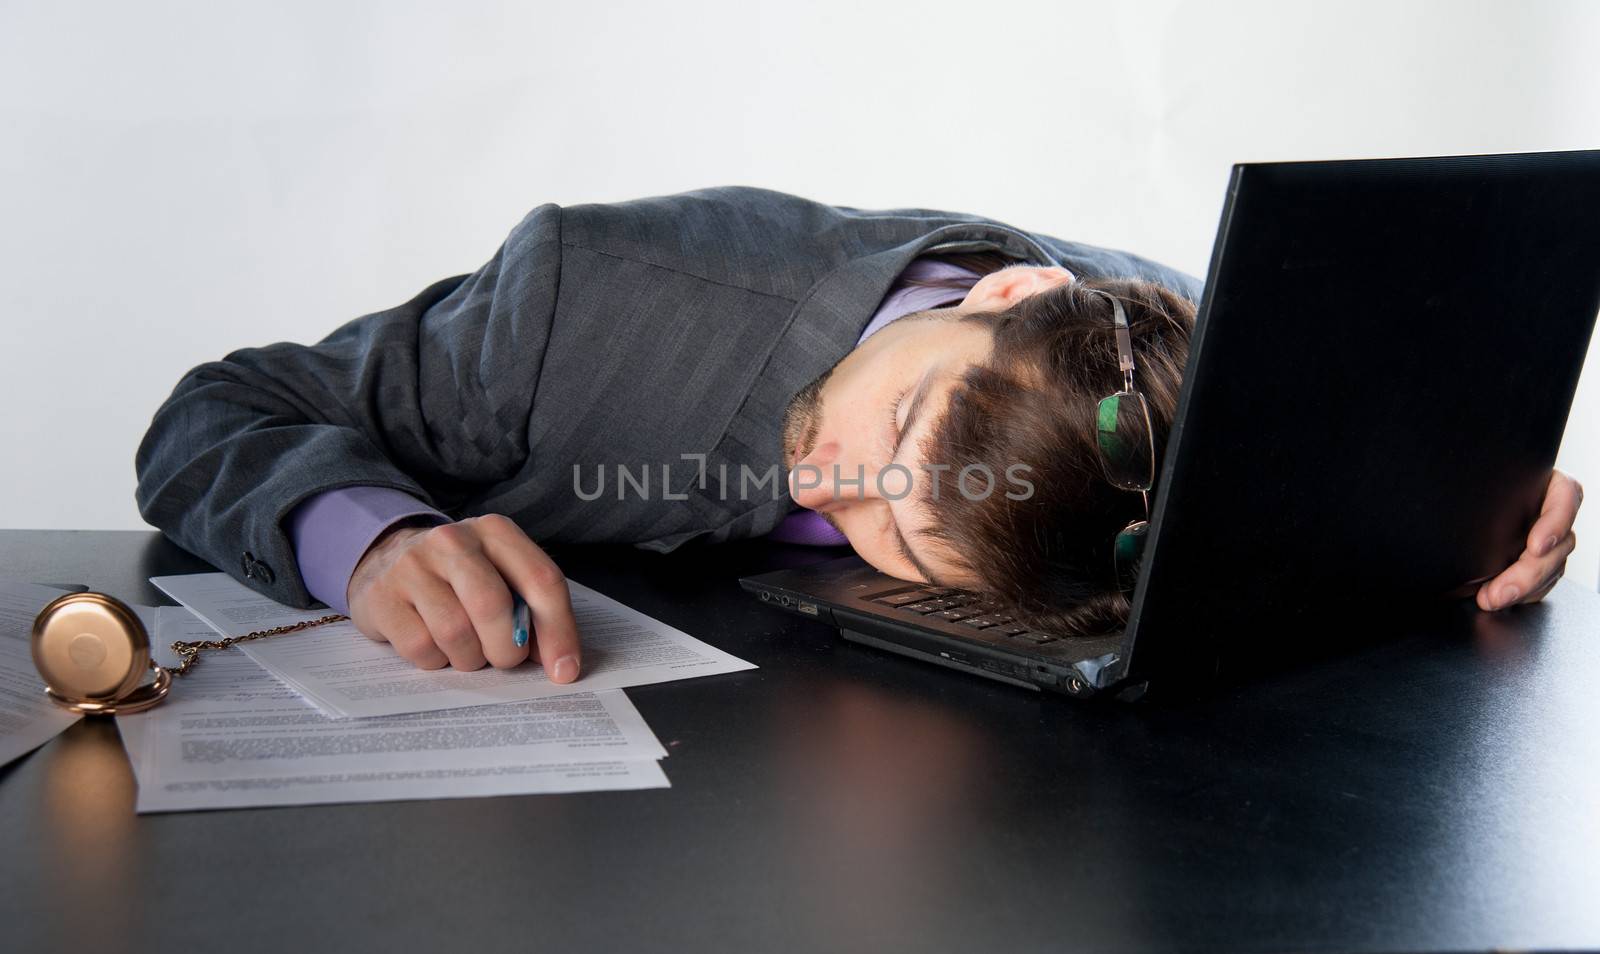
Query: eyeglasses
{"points": [[1127, 449]]}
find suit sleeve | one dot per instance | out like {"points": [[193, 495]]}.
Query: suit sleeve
{"points": [[430, 398]]}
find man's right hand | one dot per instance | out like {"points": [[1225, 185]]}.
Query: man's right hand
{"points": [[440, 596]]}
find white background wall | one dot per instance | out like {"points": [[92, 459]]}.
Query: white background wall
{"points": [[183, 179]]}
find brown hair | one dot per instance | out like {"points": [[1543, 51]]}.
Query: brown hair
{"points": [[1049, 556]]}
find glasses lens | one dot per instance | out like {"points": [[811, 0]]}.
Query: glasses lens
{"points": [[1127, 449], [1128, 548]]}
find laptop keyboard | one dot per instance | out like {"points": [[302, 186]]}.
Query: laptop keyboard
{"points": [[958, 606]]}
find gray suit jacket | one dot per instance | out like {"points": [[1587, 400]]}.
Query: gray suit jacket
{"points": [[626, 333]]}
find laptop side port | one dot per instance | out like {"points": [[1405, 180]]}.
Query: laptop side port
{"points": [[795, 604]]}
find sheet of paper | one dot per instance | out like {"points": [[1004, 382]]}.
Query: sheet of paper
{"points": [[27, 718], [347, 675], [230, 735], [399, 786], [20, 602], [229, 716]]}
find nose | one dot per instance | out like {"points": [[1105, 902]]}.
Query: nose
{"points": [[811, 481], [824, 480]]}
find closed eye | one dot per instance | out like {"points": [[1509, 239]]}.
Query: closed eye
{"points": [[918, 396], [894, 419]]}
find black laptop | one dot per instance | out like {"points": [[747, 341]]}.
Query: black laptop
{"points": [[1381, 371]]}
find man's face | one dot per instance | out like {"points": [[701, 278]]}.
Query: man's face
{"points": [[868, 416]]}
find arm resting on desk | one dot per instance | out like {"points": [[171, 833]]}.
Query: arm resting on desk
{"points": [[430, 398]]}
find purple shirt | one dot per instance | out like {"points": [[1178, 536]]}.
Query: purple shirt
{"points": [[332, 530]]}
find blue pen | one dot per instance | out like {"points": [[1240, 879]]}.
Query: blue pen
{"points": [[519, 620]]}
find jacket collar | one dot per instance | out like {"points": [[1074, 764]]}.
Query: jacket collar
{"points": [[833, 308]]}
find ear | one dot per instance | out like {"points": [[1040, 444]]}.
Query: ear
{"points": [[1004, 288]]}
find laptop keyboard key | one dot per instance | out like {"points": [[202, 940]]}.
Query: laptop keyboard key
{"points": [[954, 615], [979, 622], [930, 606], [901, 599]]}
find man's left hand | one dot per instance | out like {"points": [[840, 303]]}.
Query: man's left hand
{"points": [[1544, 558]]}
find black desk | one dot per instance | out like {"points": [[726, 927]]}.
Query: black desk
{"points": [[1442, 792]]}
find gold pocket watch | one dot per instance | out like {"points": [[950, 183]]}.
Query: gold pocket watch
{"points": [[93, 652]]}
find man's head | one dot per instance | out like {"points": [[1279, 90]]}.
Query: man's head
{"points": [[1001, 387]]}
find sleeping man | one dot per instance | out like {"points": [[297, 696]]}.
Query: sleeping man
{"points": [[919, 385]]}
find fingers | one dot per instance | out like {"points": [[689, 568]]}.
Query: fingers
{"points": [[386, 617], [1528, 579], [482, 594], [1542, 591], [1562, 498], [449, 625], [544, 587], [398, 624], [1544, 558]]}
